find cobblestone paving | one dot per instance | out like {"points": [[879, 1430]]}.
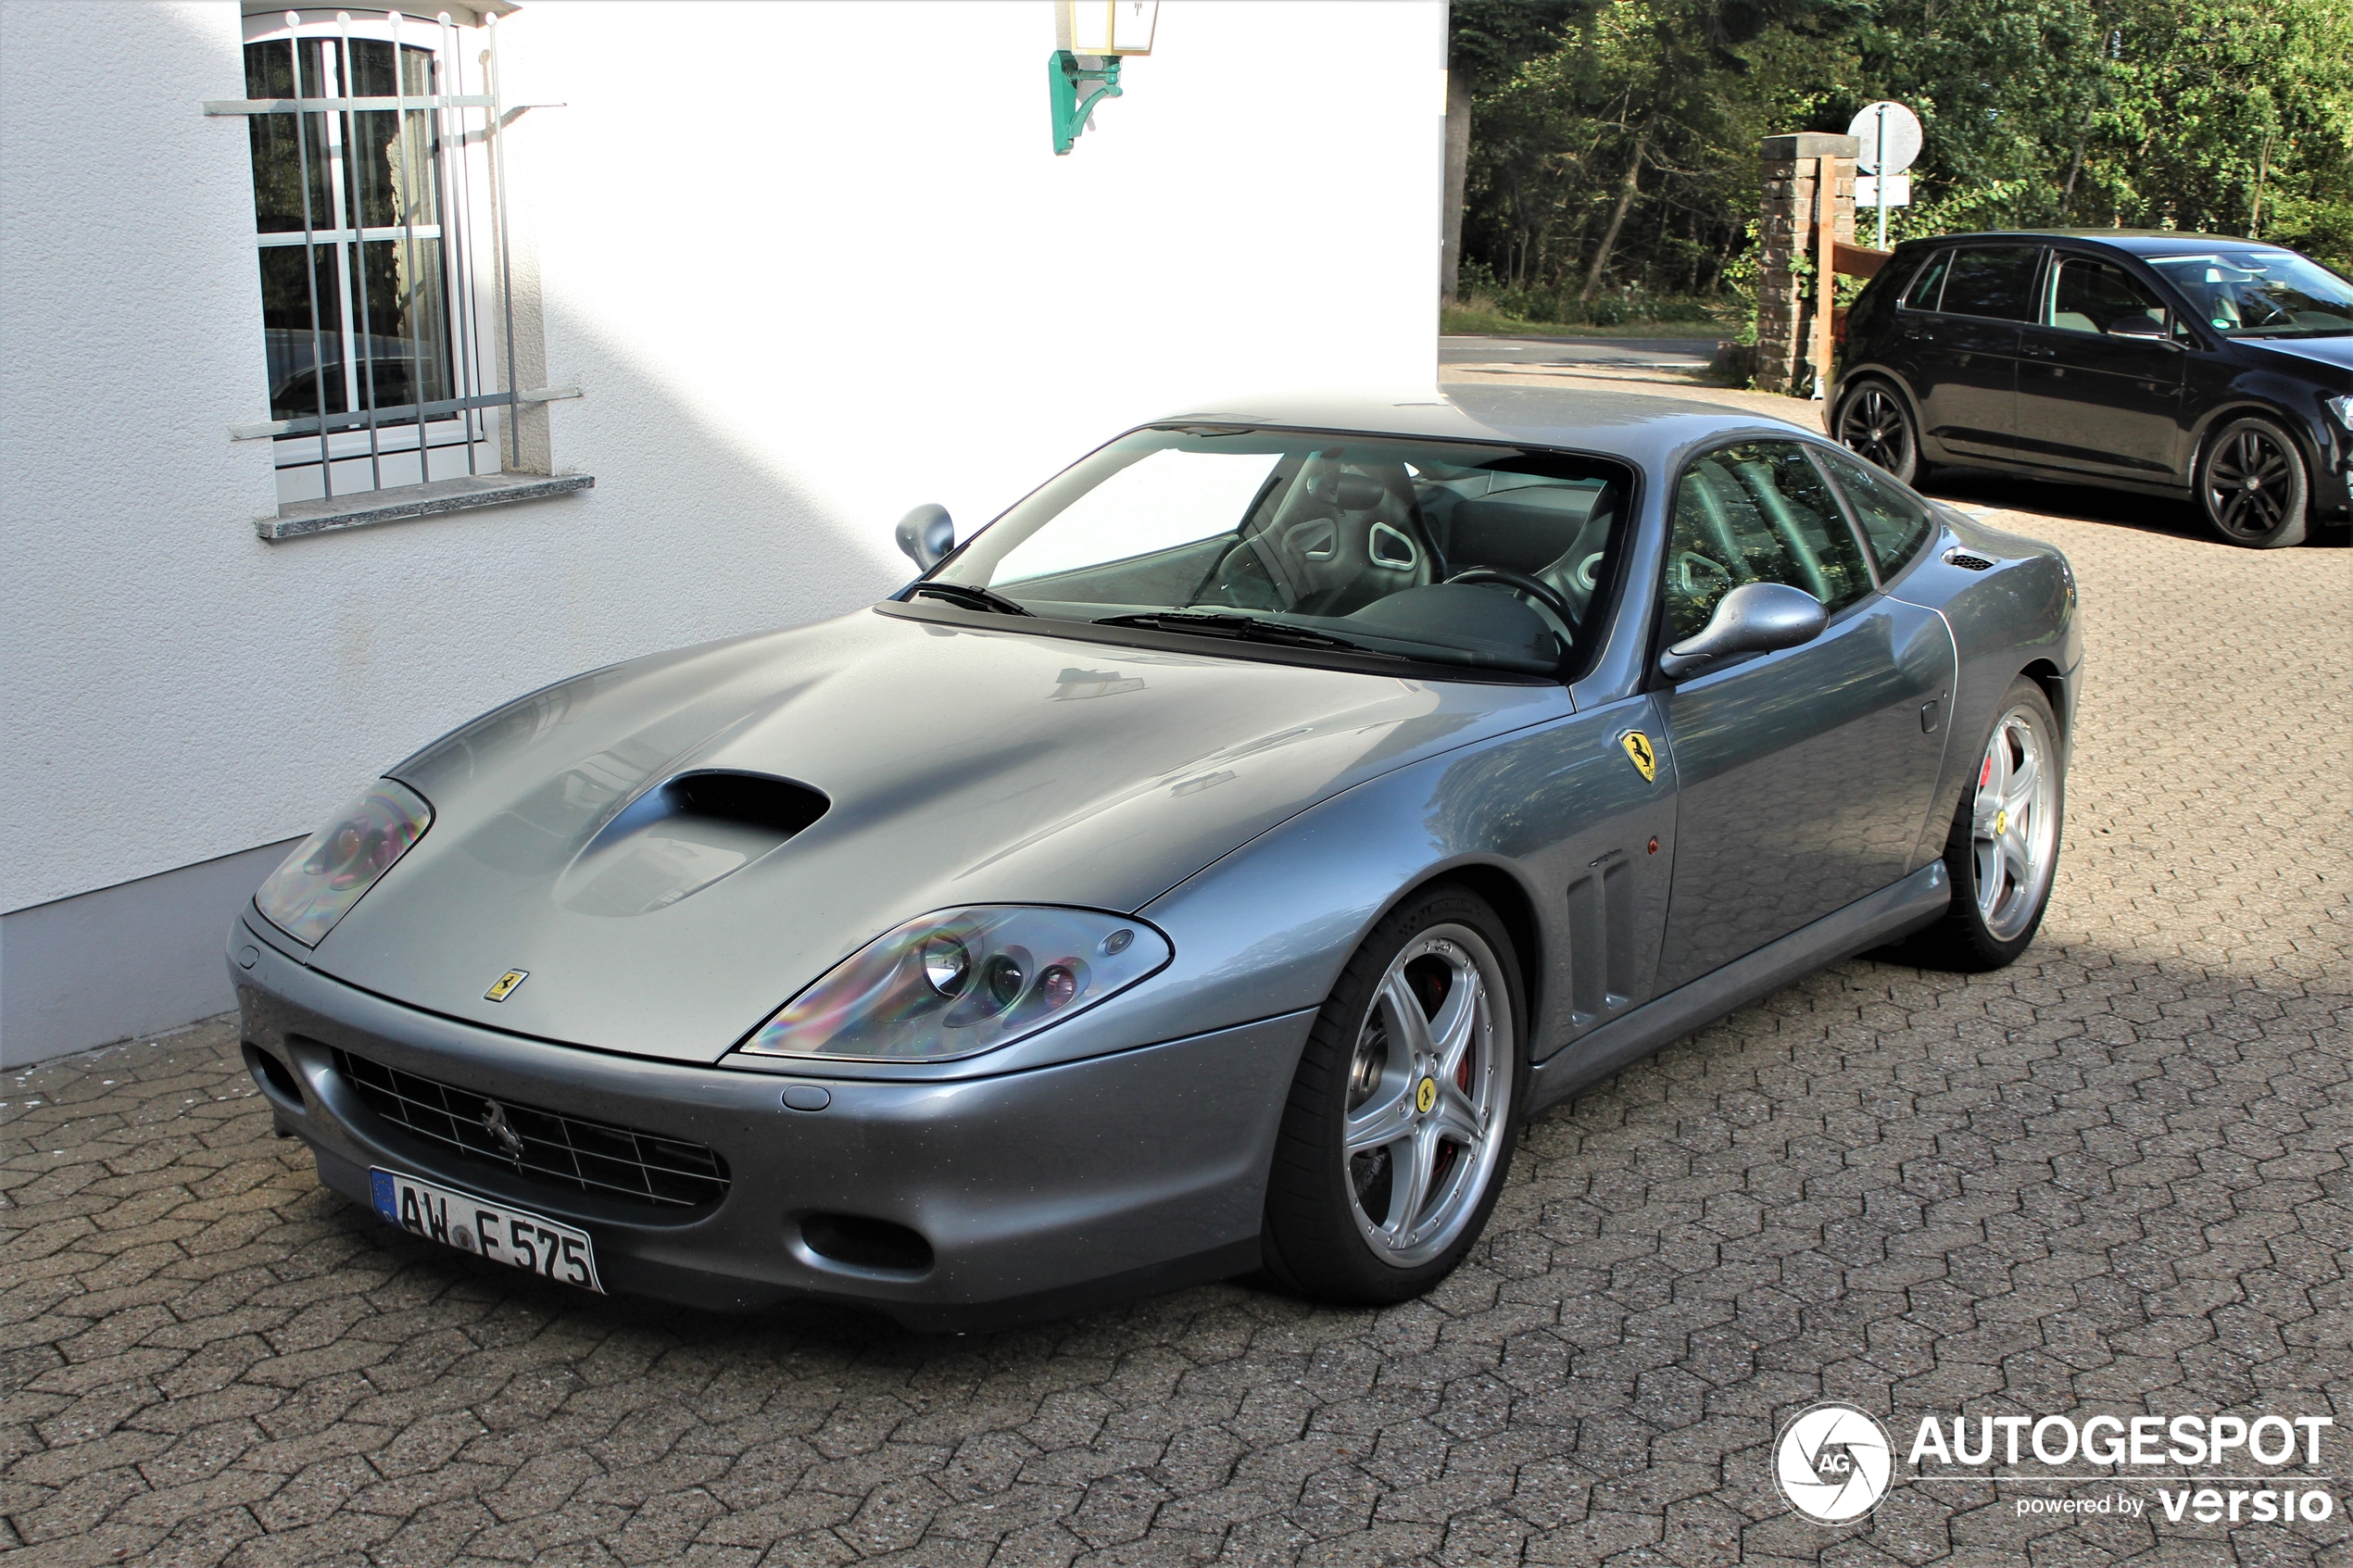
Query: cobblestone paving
{"points": [[2112, 1178]]}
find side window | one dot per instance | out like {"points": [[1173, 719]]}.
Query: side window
{"points": [[2090, 295], [1896, 523], [1922, 294], [1757, 512], [1992, 280]]}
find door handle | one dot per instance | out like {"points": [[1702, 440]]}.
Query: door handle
{"points": [[2039, 351]]}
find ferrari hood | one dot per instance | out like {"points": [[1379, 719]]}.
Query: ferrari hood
{"points": [[672, 848]]}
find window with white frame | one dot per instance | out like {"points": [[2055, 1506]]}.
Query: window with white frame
{"points": [[380, 246]]}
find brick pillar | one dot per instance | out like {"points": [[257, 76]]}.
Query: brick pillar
{"points": [[1784, 317]]}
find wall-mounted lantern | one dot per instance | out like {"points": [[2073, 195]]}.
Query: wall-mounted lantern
{"points": [[1093, 37]]}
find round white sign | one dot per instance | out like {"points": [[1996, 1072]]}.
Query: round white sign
{"points": [[1832, 1463], [1900, 129]]}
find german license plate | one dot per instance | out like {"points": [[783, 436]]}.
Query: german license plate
{"points": [[548, 1248]]}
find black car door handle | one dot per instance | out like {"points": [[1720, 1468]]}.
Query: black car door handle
{"points": [[2039, 351]]}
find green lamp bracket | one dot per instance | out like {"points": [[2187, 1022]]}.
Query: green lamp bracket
{"points": [[1062, 78]]}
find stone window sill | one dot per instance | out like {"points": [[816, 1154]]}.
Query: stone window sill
{"points": [[298, 519]]}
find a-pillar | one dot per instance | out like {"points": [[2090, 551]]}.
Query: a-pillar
{"points": [[1787, 335]]}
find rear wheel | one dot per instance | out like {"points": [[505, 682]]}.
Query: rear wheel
{"points": [[2003, 850], [1873, 423], [1399, 1130], [2251, 482]]}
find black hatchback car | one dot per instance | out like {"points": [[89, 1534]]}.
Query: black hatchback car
{"points": [[2167, 363]]}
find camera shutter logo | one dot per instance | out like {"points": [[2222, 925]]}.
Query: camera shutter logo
{"points": [[1832, 1463]]}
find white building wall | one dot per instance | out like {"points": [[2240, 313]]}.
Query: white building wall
{"points": [[811, 263]]}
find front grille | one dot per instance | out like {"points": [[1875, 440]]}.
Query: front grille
{"points": [[592, 1157]]}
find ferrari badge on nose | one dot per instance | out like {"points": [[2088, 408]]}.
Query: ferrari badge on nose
{"points": [[1638, 748], [504, 986]]}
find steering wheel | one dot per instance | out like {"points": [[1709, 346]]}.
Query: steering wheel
{"points": [[1543, 593]]}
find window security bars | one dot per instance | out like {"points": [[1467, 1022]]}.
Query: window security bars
{"points": [[386, 277]]}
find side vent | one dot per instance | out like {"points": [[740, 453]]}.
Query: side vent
{"points": [[1600, 946], [1961, 557]]}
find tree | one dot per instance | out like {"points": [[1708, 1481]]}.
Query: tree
{"points": [[1613, 145]]}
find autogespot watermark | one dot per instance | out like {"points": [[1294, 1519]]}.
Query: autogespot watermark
{"points": [[1834, 1463]]}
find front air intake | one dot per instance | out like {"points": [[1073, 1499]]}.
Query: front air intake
{"points": [[866, 1244]]}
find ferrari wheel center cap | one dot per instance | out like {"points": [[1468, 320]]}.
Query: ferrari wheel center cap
{"points": [[1425, 1094], [2001, 824]]}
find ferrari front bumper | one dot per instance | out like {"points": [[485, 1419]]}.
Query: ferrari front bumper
{"points": [[1033, 1194]]}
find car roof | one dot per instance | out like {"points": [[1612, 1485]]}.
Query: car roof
{"points": [[1641, 428], [2133, 241]]}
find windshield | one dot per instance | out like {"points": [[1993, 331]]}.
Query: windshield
{"points": [[2250, 293], [1337, 542]]}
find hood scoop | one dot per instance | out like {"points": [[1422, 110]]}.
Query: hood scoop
{"points": [[683, 835]]}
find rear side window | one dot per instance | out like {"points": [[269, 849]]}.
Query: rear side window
{"points": [[1896, 523], [1995, 281], [1922, 294]]}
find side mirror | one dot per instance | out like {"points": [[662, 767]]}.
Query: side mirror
{"points": [[1752, 617], [927, 534]]}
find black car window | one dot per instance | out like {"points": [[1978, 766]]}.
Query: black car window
{"points": [[1896, 522], [1992, 280], [1757, 512], [1921, 295], [2259, 291], [2092, 295]]}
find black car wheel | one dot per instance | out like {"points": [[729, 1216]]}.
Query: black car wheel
{"points": [[1398, 1131], [2251, 482], [1873, 424]]}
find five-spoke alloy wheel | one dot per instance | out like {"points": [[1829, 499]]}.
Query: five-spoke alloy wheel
{"points": [[2003, 852], [2252, 484], [1401, 1122], [1873, 424], [2014, 824], [1423, 1131]]}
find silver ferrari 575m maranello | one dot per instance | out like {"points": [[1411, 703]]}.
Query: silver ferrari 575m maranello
{"points": [[1203, 869]]}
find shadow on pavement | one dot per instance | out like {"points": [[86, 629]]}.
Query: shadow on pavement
{"points": [[2085, 503]]}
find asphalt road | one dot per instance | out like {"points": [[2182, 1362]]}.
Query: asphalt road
{"points": [[2112, 1178], [1671, 353]]}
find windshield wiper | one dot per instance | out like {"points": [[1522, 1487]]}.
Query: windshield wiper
{"points": [[1241, 628], [968, 596]]}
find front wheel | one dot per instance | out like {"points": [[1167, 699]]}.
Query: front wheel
{"points": [[2252, 486], [2003, 851], [1399, 1130], [1873, 423]]}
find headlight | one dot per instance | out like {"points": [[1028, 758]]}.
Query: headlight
{"points": [[2343, 409], [306, 895], [963, 981]]}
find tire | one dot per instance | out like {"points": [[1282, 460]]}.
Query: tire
{"points": [[2252, 486], [1873, 422], [2008, 831], [1338, 1227]]}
